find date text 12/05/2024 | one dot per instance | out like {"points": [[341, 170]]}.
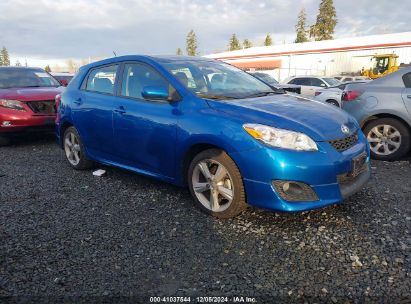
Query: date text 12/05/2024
{"points": [[236, 299]]}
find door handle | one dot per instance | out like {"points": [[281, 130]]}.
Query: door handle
{"points": [[77, 101], [120, 110], [409, 96]]}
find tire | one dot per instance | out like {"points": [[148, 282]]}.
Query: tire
{"points": [[392, 136], [220, 181], [79, 162], [333, 102], [4, 141]]}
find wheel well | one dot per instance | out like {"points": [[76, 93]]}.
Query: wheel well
{"points": [[384, 115], [63, 129], [191, 153]]}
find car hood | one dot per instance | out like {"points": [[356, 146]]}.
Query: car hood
{"points": [[31, 94], [318, 120]]}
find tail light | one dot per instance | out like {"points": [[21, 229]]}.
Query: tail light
{"points": [[351, 95], [58, 101], [317, 93]]}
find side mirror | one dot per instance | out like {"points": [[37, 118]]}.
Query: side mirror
{"points": [[322, 85], [64, 82], [155, 92]]}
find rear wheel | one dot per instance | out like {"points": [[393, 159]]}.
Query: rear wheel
{"points": [[216, 184], [74, 150], [389, 138]]}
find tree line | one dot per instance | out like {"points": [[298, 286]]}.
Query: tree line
{"points": [[4, 57], [322, 29]]}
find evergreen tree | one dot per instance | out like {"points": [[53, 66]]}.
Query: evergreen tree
{"points": [[300, 27], [47, 69], [191, 44], [247, 44], [1, 60], [234, 43], [323, 29], [5, 59], [268, 40], [179, 52]]}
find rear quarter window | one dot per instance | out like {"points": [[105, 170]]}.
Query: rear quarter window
{"points": [[407, 80], [300, 81]]}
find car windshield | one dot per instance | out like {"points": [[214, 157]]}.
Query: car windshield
{"points": [[25, 78], [332, 82], [217, 80]]}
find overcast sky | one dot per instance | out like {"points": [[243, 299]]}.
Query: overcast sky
{"points": [[60, 29]]}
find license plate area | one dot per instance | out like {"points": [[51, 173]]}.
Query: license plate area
{"points": [[358, 165]]}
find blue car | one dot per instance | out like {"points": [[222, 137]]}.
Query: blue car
{"points": [[203, 123]]}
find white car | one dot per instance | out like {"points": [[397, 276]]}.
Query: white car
{"points": [[332, 95], [310, 84], [347, 78]]}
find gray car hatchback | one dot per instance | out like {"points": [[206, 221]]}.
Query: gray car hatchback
{"points": [[383, 109]]}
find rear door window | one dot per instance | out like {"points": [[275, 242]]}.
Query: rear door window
{"points": [[301, 81], [101, 80]]}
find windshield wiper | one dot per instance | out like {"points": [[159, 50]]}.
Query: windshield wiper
{"points": [[216, 97], [261, 94]]}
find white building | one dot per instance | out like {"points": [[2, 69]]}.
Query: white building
{"points": [[329, 57]]}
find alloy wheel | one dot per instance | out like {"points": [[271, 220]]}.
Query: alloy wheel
{"points": [[213, 185], [72, 148], [384, 139]]}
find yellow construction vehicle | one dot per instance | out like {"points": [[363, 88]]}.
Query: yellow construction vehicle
{"points": [[383, 64]]}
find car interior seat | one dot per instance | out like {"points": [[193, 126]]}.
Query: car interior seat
{"points": [[217, 81], [182, 77], [103, 85]]}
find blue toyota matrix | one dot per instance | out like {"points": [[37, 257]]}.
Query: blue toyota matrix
{"points": [[231, 138]]}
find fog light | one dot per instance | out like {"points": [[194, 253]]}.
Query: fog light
{"points": [[6, 123], [295, 191]]}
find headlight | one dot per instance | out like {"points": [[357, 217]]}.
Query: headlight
{"points": [[281, 138], [12, 104]]}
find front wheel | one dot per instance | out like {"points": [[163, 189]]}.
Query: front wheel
{"points": [[4, 141], [74, 150], [333, 102], [216, 184], [389, 138]]}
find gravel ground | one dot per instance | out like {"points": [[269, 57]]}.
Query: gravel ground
{"points": [[124, 237]]}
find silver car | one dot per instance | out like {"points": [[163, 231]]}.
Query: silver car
{"points": [[309, 84], [332, 95], [383, 109]]}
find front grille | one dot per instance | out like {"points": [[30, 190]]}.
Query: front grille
{"points": [[43, 106], [344, 143]]}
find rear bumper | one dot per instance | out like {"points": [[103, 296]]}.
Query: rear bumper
{"points": [[319, 170]]}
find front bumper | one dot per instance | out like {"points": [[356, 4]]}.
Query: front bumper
{"points": [[19, 121], [319, 170]]}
